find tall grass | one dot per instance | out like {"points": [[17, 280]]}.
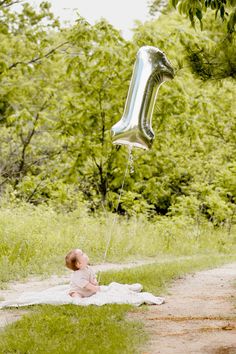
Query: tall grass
{"points": [[34, 240]]}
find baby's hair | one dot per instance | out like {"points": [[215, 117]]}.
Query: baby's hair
{"points": [[71, 260]]}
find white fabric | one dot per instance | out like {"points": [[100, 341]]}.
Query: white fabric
{"points": [[114, 293]]}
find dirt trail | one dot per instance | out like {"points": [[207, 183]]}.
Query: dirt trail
{"points": [[199, 316]]}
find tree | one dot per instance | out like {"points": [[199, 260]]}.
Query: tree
{"points": [[211, 54], [27, 68], [225, 9], [195, 133], [98, 72], [61, 91]]}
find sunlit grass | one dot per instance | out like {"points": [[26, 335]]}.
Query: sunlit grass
{"points": [[73, 329], [35, 240]]}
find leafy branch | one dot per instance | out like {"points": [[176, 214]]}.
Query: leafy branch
{"points": [[38, 58], [8, 3]]}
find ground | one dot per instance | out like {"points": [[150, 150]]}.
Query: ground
{"points": [[199, 316]]}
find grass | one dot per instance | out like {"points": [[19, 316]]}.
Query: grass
{"points": [[71, 329], [34, 240]]}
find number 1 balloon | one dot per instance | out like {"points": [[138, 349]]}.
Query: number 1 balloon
{"points": [[151, 69]]}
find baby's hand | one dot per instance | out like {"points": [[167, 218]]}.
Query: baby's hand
{"points": [[94, 281]]}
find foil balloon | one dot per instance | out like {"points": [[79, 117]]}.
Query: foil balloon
{"points": [[151, 69]]}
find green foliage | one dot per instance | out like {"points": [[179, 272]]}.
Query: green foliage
{"points": [[195, 135], [61, 91], [211, 54], [28, 56], [196, 9], [98, 69]]}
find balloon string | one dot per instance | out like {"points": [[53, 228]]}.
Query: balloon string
{"points": [[131, 160], [116, 210]]}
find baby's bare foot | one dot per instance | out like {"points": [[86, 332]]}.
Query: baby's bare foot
{"points": [[74, 294]]}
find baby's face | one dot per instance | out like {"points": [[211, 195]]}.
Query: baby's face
{"points": [[82, 257]]}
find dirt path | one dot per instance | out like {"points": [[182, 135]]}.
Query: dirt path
{"points": [[199, 316]]}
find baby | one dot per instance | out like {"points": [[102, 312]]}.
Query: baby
{"points": [[83, 280]]}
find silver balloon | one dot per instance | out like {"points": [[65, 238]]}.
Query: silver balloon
{"points": [[151, 69]]}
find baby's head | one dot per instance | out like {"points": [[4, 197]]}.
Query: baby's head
{"points": [[76, 259]]}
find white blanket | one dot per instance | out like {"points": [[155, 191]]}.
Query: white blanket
{"points": [[114, 293]]}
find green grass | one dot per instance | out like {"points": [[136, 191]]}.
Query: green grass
{"points": [[106, 330], [34, 240], [72, 329]]}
